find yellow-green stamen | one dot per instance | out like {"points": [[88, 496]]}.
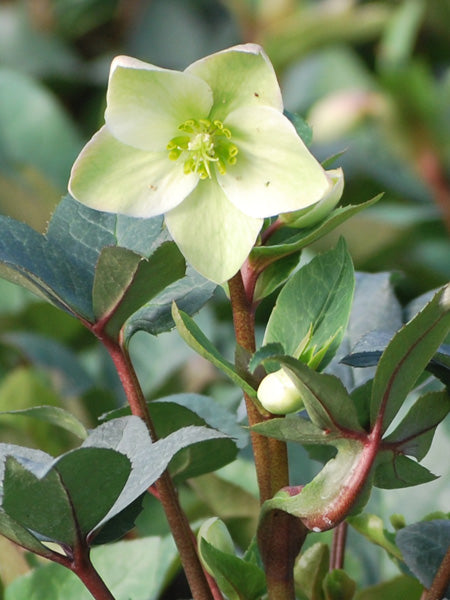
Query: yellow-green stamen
{"points": [[202, 143]]}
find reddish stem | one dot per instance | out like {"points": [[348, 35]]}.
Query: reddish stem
{"points": [[338, 546], [441, 580], [165, 489]]}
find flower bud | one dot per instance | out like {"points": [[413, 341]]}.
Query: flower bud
{"points": [[309, 216], [215, 532], [278, 394]]}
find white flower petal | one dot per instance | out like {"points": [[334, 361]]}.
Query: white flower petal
{"points": [[113, 177], [274, 171], [146, 104], [240, 76], [213, 235]]}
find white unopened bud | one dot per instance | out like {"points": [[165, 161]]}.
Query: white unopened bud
{"points": [[278, 394]]}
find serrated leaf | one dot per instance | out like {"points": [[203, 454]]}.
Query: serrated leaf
{"points": [[317, 298], [189, 293], [239, 579], [406, 357], [394, 470], [54, 415], [307, 237], [64, 498], [129, 436], [196, 339], [124, 281], [415, 432], [424, 546], [372, 528]]}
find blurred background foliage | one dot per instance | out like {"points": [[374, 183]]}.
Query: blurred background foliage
{"points": [[371, 77]]}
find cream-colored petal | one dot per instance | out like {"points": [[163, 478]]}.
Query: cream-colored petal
{"points": [[146, 104], [113, 177], [214, 236], [274, 171], [239, 76]]}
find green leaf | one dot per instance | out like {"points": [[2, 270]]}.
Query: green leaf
{"points": [[136, 569], [328, 498], [129, 436], [238, 579], [65, 497], [54, 415], [372, 528], [18, 534], [337, 585], [325, 398], [406, 357], [401, 586], [424, 546], [189, 293], [394, 470], [307, 237], [294, 428], [310, 569], [274, 276], [415, 432], [317, 298], [304, 130], [196, 339], [124, 281]]}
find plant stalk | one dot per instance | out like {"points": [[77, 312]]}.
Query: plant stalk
{"points": [[167, 494], [85, 571], [441, 580], [338, 546], [281, 536]]}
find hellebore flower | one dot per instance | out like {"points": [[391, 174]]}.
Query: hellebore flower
{"points": [[208, 147]]}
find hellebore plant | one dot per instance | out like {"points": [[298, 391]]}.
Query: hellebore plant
{"points": [[209, 153], [208, 147]]}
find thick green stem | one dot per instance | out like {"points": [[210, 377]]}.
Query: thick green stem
{"points": [[165, 489]]}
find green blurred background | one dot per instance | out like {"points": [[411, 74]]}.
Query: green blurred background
{"points": [[372, 79]]}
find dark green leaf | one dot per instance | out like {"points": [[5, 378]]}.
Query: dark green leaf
{"points": [[424, 546], [18, 534], [316, 299], [294, 428], [274, 276], [325, 398], [304, 130], [415, 432], [266, 352], [196, 339], [119, 525], [239, 579], [124, 281], [406, 357], [398, 471], [190, 293]]}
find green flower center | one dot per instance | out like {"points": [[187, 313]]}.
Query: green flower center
{"points": [[202, 144]]}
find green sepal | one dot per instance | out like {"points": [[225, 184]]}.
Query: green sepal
{"points": [[307, 237]]}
